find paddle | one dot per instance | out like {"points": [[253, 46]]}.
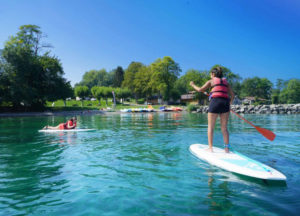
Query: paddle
{"points": [[266, 133]]}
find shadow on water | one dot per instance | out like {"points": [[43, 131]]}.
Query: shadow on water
{"points": [[223, 190], [263, 182]]}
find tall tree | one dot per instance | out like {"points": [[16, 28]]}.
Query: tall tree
{"points": [[280, 84], [122, 93], [95, 78], [118, 77], [3, 81], [142, 82], [165, 73], [30, 75], [129, 75], [82, 92], [199, 78], [97, 92], [291, 93], [106, 92], [257, 87]]}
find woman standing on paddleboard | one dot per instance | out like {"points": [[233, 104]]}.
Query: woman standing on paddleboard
{"points": [[219, 104]]}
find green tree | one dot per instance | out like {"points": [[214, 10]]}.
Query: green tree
{"points": [[122, 93], [95, 78], [30, 76], [118, 77], [198, 77], [107, 93], [3, 81], [275, 96], [82, 92], [142, 82], [257, 87], [165, 72], [96, 93], [129, 76], [291, 93], [280, 83], [67, 92]]}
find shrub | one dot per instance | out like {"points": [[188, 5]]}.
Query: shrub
{"points": [[192, 107], [141, 101]]}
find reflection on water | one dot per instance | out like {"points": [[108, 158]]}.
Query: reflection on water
{"points": [[219, 195], [139, 164]]}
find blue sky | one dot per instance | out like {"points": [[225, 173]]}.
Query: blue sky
{"points": [[252, 38]]}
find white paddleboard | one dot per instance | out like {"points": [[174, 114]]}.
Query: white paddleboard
{"points": [[70, 130], [236, 163]]}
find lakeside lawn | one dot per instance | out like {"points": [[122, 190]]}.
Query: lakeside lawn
{"points": [[73, 105], [93, 105]]}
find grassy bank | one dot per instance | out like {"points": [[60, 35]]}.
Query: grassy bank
{"points": [[73, 105], [88, 105]]}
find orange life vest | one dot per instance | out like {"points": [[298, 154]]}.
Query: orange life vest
{"points": [[220, 88], [69, 123]]}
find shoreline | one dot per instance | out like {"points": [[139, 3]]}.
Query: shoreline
{"points": [[52, 113], [242, 109], [260, 109]]}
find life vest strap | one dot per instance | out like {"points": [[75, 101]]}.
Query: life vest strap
{"points": [[220, 85], [220, 91]]}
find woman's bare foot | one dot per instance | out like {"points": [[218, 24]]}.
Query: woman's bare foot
{"points": [[209, 149], [226, 147]]}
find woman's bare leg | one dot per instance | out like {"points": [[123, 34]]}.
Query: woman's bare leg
{"points": [[212, 117], [51, 128], [224, 120]]}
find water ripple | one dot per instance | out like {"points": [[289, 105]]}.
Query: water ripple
{"points": [[140, 165]]}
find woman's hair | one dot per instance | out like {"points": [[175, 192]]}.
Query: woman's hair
{"points": [[74, 118], [217, 71]]}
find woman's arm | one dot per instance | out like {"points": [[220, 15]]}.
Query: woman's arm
{"points": [[71, 126], [201, 89], [231, 94]]}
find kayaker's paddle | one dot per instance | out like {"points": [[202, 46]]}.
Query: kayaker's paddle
{"points": [[266, 133]]}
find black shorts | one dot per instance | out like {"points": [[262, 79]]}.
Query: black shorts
{"points": [[219, 105]]}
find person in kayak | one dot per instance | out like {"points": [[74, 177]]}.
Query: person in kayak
{"points": [[221, 96], [70, 124]]}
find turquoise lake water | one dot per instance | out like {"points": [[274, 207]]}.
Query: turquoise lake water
{"points": [[139, 164]]}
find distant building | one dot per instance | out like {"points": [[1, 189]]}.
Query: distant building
{"points": [[248, 100], [237, 101], [251, 100], [189, 98], [153, 100]]}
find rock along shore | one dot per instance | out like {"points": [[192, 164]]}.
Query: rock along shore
{"points": [[261, 109]]}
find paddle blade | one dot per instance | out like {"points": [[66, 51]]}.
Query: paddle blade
{"points": [[266, 133]]}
